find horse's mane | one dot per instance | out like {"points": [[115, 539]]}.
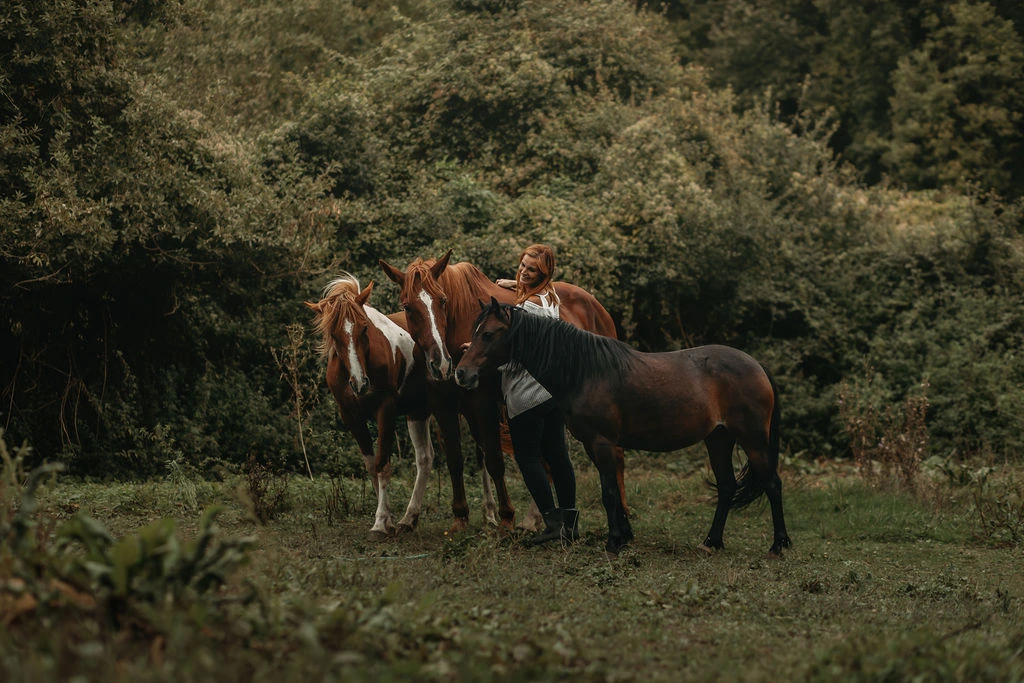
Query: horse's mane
{"points": [[464, 284], [562, 355], [338, 296]]}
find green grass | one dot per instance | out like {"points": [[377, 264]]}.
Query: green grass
{"points": [[879, 585]]}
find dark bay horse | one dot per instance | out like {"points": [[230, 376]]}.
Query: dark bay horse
{"points": [[376, 372], [441, 302], [613, 395]]}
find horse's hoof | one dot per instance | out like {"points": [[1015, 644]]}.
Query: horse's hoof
{"points": [[376, 535], [505, 531], [458, 526], [705, 550], [405, 528], [611, 555]]}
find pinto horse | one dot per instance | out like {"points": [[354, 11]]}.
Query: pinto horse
{"points": [[441, 302], [613, 395], [376, 371]]}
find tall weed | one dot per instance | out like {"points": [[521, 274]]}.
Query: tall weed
{"points": [[888, 443]]}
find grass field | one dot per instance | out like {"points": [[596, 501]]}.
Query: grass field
{"points": [[880, 585]]}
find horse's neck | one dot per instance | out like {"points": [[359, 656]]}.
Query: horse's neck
{"points": [[563, 358], [534, 351]]}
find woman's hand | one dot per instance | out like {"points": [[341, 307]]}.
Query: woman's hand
{"points": [[507, 284]]}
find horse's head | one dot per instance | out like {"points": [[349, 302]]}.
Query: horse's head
{"points": [[344, 324], [490, 346], [425, 304]]}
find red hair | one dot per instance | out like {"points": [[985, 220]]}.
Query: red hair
{"points": [[545, 256]]}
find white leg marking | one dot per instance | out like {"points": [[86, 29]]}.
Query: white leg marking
{"points": [[490, 507], [424, 450], [533, 521], [382, 522], [382, 519]]}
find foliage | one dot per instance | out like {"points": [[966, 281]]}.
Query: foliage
{"points": [[81, 571], [138, 263]]}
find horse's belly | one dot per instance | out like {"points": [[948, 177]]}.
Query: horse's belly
{"points": [[660, 430]]}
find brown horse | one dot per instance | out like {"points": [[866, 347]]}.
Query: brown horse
{"points": [[613, 395], [441, 301], [376, 372]]}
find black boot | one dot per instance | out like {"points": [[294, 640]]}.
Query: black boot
{"points": [[552, 528], [570, 525]]}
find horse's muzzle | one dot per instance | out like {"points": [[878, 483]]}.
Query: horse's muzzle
{"points": [[359, 387], [439, 371], [465, 379]]}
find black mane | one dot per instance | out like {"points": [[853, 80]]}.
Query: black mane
{"points": [[561, 356]]}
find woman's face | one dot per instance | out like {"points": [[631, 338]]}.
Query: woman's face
{"points": [[530, 274]]}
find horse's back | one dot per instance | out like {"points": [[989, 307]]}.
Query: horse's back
{"points": [[728, 373], [581, 308], [399, 319], [720, 361]]}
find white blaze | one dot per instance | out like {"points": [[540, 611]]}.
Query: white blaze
{"points": [[355, 369], [435, 333]]}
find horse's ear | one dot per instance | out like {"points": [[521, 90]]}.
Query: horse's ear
{"points": [[440, 265], [494, 304], [364, 295], [394, 274], [317, 307]]}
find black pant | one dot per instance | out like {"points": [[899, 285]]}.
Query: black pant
{"points": [[538, 436]]}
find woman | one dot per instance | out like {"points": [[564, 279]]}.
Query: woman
{"points": [[534, 421]]}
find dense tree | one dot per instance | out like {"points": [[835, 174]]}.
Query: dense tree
{"points": [[176, 178], [957, 103], [879, 67], [138, 266]]}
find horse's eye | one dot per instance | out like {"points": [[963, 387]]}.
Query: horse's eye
{"points": [[444, 301], [487, 336]]}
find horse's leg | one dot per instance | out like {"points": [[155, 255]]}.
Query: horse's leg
{"points": [[383, 523], [620, 473], [773, 489], [768, 469], [448, 423], [720, 446], [424, 450], [485, 411], [620, 532], [533, 520], [357, 426], [490, 507], [762, 467]]}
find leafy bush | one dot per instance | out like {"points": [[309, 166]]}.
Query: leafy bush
{"points": [[82, 569]]}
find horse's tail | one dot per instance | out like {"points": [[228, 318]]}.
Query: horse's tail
{"points": [[749, 486]]}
